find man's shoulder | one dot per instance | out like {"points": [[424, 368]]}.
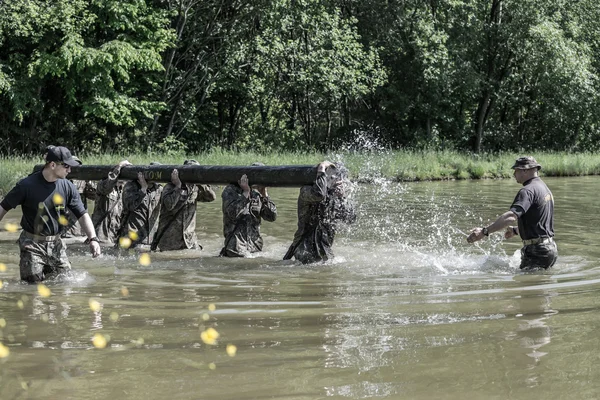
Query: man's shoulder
{"points": [[66, 184], [30, 179], [537, 184]]}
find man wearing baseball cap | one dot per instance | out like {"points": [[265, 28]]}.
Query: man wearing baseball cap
{"points": [[43, 197], [533, 209]]}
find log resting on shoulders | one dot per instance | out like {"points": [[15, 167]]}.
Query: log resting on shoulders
{"points": [[284, 175]]}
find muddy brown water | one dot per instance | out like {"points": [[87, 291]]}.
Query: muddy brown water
{"points": [[407, 310]]}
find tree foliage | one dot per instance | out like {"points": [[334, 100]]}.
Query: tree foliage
{"points": [[182, 75]]}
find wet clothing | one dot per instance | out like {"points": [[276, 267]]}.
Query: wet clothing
{"points": [[241, 220], [141, 211], [43, 253], [108, 208], [36, 196], [42, 257], [177, 226], [534, 207], [319, 212], [541, 255]]}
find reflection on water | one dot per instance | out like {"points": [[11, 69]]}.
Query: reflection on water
{"points": [[406, 310]]}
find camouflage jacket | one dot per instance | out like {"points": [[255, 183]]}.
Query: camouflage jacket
{"points": [[141, 211], [319, 213], [177, 226], [241, 220], [108, 208]]}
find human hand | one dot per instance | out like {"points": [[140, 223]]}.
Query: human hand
{"points": [[175, 178], [142, 181], [324, 165], [476, 234], [510, 232], [95, 248], [243, 182]]}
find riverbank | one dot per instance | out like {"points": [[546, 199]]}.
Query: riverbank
{"points": [[365, 166]]}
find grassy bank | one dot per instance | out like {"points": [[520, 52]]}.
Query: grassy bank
{"points": [[363, 166]]}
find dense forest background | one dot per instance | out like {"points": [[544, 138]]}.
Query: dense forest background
{"points": [[271, 75]]}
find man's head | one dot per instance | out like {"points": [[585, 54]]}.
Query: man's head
{"points": [[525, 168], [191, 162], [59, 161], [336, 175]]}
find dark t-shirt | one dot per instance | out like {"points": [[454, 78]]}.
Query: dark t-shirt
{"points": [[36, 196], [534, 205]]}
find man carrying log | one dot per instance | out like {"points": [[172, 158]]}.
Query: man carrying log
{"points": [[141, 210], [244, 208], [43, 196], [321, 207], [177, 226], [109, 205]]}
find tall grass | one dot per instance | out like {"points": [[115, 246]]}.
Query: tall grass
{"points": [[399, 165]]}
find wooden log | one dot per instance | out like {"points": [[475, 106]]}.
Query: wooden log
{"points": [[284, 175]]}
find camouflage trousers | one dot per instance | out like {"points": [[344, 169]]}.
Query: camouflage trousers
{"points": [[41, 259], [541, 255]]}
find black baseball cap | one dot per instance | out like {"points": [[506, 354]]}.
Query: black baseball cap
{"points": [[61, 154]]}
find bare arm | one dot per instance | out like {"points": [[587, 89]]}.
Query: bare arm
{"points": [[502, 222], [88, 227]]}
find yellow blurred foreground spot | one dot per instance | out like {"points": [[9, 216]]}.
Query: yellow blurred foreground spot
{"points": [[212, 366], [11, 227], [145, 259], [231, 350], [99, 341], [4, 351], [133, 235], [124, 242], [43, 290], [209, 336], [124, 291], [212, 307], [95, 305], [57, 199], [2, 267], [63, 220]]}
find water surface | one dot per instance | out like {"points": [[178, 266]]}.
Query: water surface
{"points": [[407, 310]]}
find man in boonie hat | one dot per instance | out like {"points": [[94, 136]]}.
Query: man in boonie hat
{"points": [[177, 225], [533, 210], [44, 197]]}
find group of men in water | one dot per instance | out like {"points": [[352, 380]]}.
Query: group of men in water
{"points": [[142, 213]]}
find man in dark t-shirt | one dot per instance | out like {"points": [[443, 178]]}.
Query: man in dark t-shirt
{"points": [[533, 209], [43, 197]]}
